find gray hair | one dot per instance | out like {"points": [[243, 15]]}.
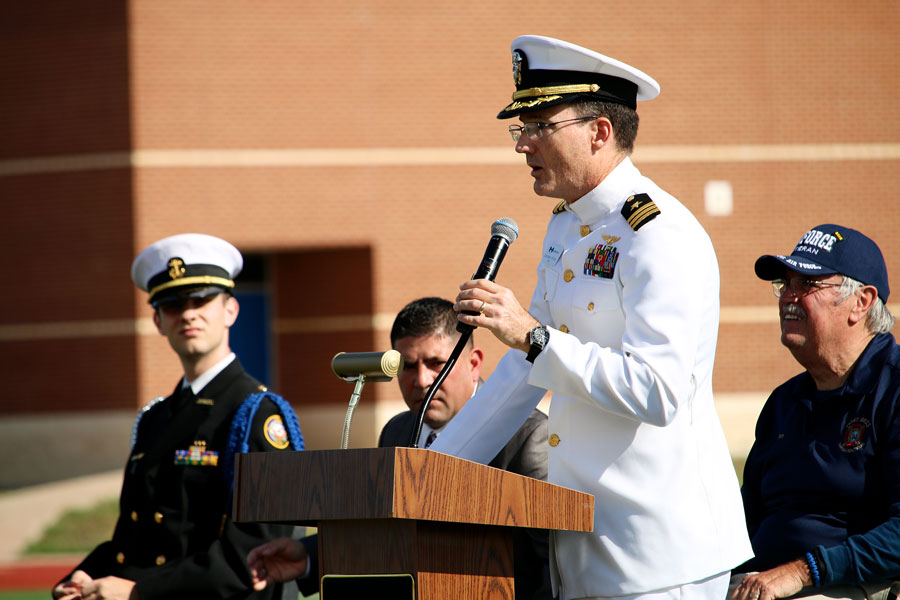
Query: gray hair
{"points": [[879, 319]]}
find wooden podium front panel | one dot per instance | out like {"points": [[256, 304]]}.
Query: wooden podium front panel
{"points": [[465, 561], [357, 546], [446, 560]]}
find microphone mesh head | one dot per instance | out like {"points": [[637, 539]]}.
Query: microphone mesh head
{"points": [[505, 228]]}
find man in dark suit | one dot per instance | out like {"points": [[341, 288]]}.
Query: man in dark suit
{"points": [[174, 537], [424, 332]]}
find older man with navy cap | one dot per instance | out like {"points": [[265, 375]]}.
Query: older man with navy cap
{"points": [[822, 480], [622, 329], [174, 537]]}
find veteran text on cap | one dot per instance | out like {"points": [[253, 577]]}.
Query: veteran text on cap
{"points": [[829, 249]]}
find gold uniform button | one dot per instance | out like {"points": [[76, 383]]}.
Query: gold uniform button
{"points": [[160, 560], [554, 440], [564, 329], [158, 517], [590, 306], [585, 230], [120, 558], [568, 275], [134, 516]]}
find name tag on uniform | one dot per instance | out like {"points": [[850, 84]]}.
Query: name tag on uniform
{"points": [[552, 253]]}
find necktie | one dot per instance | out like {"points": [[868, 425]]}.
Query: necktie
{"points": [[431, 437], [185, 398]]}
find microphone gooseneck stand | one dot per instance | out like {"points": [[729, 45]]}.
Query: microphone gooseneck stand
{"points": [[354, 400]]}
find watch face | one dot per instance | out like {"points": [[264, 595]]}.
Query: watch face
{"points": [[539, 336]]}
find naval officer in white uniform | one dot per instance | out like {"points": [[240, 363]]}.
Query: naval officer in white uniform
{"points": [[622, 330]]}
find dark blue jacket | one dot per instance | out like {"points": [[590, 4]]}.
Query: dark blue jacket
{"points": [[823, 475]]}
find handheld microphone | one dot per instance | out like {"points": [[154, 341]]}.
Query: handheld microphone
{"points": [[376, 366], [504, 232]]}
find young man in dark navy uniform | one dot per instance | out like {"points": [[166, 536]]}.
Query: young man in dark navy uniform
{"points": [[822, 480], [174, 537]]}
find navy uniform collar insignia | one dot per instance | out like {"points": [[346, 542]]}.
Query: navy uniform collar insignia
{"points": [[639, 210]]}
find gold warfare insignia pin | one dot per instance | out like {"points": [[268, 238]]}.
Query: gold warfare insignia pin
{"points": [[639, 210], [176, 268], [275, 432], [611, 239]]}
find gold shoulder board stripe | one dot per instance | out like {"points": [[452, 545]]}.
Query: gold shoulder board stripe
{"points": [[559, 207], [639, 210]]}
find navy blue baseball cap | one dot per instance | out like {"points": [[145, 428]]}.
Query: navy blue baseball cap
{"points": [[830, 249]]}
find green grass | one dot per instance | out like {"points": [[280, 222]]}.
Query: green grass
{"points": [[77, 531], [41, 595]]}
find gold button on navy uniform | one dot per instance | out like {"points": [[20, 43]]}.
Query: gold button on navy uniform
{"points": [[590, 306], [564, 329], [160, 560], [554, 440], [157, 516], [120, 558], [568, 275], [134, 516], [585, 230]]}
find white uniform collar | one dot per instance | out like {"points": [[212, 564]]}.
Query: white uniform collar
{"points": [[608, 196], [208, 375]]}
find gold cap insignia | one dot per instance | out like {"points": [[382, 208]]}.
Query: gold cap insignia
{"points": [[517, 67], [176, 268]]}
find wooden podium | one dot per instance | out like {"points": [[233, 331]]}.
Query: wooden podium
{"points": [[442, 525]]}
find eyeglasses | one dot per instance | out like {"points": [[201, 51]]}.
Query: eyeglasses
{"points": [[800, 286], [535, 130]]}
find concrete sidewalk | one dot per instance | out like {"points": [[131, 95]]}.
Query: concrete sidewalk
{"points": [[25, 513]]}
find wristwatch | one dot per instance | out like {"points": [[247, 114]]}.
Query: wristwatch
{"points": [[538, 338]]}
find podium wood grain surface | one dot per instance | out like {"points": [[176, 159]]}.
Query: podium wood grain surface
{"points": [[445, 520], [398, 483]]}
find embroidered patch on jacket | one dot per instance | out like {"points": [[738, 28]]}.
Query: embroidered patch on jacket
{"points": [[276, 433], [197, 455], [854, 434], [639, 210], [601, 261]]}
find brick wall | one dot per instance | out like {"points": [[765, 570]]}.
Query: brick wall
{"points": [[159, 116]]}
